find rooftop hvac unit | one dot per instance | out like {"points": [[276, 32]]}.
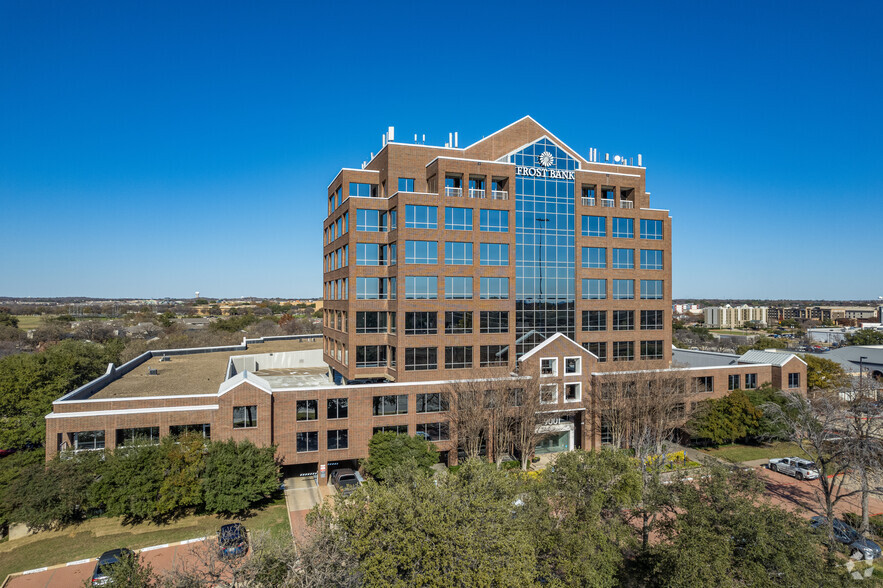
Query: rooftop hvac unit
{"points": [[165, 358], [152, 372]]}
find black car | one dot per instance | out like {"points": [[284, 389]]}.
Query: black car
{"points": [[108, 559], [232, 540], [849, 536]]}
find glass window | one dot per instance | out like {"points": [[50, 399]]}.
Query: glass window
{"points": [[794, 380], [370, 356], [421, 252], [338, 439], [370, 321], [652, 320], [458, 322], [406, 184], [572, 365], [623, 259], [651, 349], [433, 402], [494, 321], [307, 441], [245, 416], [549, 366], [494, 288], [458, 253], [137, 436], [494, 355], [421, 287], [363, 190], [307, 410], [750, 381], [594, 320], [494, 221], [458, 357], [458, 288], [623, 228], [368, 288], [421, 323], [433, 431], [458, 219], [623, 290], [494, 254], [421, 358], [703, 384], [598, 349], [338, 408], [594, 257], [594, 289], [651, 229], [572, 392], [369, 220], [205, 430], [397, 429], [548, 393], [594, 226], [733, 382], [368, 254], [623, 320], [623, 350], [421, 217], [651, 259], [651, 289], [390, 404]]}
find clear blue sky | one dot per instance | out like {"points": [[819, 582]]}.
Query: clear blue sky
{"points": [[154, 149]]}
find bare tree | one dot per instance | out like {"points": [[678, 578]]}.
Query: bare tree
{"points": [[465, 401], [863, 430], [642, 410], [525, 397], [818, 426]]}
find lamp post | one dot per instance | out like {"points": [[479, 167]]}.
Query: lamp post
{"points": [[861, 369]]}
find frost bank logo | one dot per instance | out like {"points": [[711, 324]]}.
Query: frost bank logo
{"points": [[545, 159]]}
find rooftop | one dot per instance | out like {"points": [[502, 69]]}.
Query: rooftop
{"points": [[201, 372]]}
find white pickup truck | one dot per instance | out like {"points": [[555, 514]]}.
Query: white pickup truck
{"points": [[794, 466]]}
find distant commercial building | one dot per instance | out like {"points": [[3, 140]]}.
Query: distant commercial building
{"points": [[734, 316], [775, 314]]}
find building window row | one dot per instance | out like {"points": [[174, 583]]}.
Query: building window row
{"points": [[596, 289], [375, 288], [456, 288], [338, 228], [596, 258], [620, 228], [623, 320], [375, 254], [337, 259], [337, 289]]}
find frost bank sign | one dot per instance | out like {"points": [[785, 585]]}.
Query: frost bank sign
{"points": [[545, 160]]}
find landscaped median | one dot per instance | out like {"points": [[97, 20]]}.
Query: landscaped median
{"points": [[91, 538], [739, 452]]}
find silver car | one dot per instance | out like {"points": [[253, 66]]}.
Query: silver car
{"points": [[801, 469]]}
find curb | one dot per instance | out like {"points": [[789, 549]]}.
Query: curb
{"points": [[88, 559]]}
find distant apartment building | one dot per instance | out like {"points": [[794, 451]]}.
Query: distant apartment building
{"points": [[721, 317], [686, 308], [833, 314]]}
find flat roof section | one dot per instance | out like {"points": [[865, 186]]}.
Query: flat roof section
{"points": [[196, 373]]}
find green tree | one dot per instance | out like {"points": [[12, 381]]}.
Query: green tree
{"points": [[238, 475], [11, 468], [865, 337], [30, 382], [182, 462], [462, 529], [726, 535], [763, 343], [234, 324], [389, 451], [130, 571], [53, 495], [724, 420], [823, 374], [131, 482], [7, 318], [577, 516]]}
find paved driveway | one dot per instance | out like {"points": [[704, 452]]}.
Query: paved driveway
{"points": [[162, 558]]}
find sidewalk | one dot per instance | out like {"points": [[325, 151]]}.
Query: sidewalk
{"points": [[301, 495]]}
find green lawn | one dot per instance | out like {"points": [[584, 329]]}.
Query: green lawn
{"points": [[29, 321], [737, 452], [95, 536]]}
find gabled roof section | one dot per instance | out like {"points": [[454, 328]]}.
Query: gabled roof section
{"points": [[771, 357], [579, 348], [243, 377], [512, 138]]}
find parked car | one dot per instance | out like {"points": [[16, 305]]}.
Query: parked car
{"points": [[849, 536], [232, 540], [108, 559], [794, 466], [346, 481]]}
